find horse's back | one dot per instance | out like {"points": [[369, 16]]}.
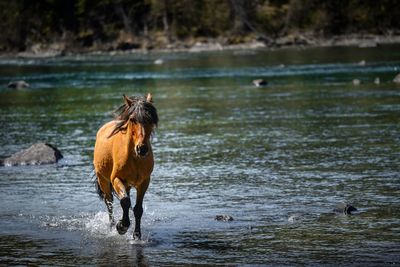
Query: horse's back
{"points": [[103, 150]]}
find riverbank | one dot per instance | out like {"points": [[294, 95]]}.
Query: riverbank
{"points": [[160, 44]]}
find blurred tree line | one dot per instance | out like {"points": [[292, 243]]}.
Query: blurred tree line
{"points": [[90, 22]]}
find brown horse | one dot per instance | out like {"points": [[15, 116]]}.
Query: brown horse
{"points": [[123, 158]]}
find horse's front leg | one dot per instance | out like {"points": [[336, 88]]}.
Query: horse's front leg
{"points": [[125, 201], [138, 209]]}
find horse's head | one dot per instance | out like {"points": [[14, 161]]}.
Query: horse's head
{"points": [[143, 118], [139, 116], [141, 134]]}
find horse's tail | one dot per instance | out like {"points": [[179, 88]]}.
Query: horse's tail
{"points": [[97, 185], [98, 188]]}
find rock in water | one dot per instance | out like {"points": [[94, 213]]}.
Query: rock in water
{"points": [[223, 218], [397, 78], [260, 82], [158, 61], [295, 218], [345, 209], [37, 154], [18, 84]]}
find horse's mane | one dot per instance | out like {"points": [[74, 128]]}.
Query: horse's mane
{"points": [[139, 110]]}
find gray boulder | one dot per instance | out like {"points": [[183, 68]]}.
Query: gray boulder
{"points": [[37, 154], [18, 84]]}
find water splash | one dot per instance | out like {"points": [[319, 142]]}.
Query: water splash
{"points": [[99, 225]]}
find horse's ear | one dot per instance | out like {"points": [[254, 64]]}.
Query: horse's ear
{"points": [[149, 98], [127, 100]]}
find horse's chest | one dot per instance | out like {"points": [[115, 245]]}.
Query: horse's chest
{"points": [[130, 172], [134, 172]]}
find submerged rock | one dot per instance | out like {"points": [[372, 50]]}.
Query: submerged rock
{"points": [[223, 218], [18, 84], [37, 154], [344, 208]]}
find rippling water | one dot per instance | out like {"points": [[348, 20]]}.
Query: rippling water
{"points": [[301, 145]]}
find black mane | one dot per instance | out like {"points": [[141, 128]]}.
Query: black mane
{"points": [[139, 111]]}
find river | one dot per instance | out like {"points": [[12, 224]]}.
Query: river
{"points": [[306, 142]]}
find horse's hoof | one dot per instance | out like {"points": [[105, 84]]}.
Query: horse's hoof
{"points": [[137, 236], [122, 229]]}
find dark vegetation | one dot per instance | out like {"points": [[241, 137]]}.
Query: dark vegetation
{"points": [[149, 24]]}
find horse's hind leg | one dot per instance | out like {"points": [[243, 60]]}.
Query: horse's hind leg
{"points": [[138, 209], [125, 201], [105, 192], [109, 204]]}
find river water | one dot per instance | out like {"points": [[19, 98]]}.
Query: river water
{"points": [[297, 147]]}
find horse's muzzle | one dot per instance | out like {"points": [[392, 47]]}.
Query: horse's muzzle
{"points": [[142, 150]]}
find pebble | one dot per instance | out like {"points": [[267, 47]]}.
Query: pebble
{"points": [[260, 82], [224, 218]]}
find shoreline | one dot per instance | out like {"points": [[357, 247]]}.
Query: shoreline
{"points": [[299, 41]]}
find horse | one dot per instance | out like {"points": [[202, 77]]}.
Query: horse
{"points": [[123, 158]]}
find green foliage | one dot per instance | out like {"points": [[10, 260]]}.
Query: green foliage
{"points": [[25, 22]]}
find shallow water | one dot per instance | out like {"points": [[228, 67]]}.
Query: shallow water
{"points": [[301, 145]]}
